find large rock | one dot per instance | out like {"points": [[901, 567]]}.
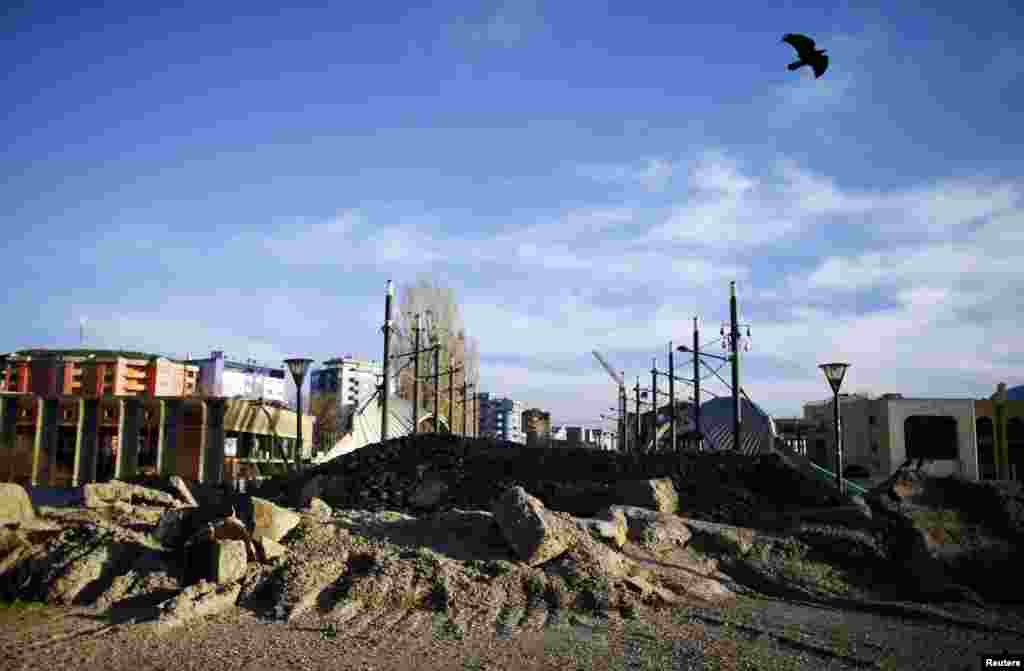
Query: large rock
{"points": [[613, 529], [199, 600], [183, 491], [15, 505], [651, 528], [657, 494], [533, 532], [719, 538], [271, 520], [104, 494], [228, 560]]}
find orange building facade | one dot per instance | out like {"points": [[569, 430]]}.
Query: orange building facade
{"points": [[57, 372]]}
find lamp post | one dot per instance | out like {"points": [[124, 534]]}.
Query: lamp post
{"points": [[834, 373], [298, 368]]}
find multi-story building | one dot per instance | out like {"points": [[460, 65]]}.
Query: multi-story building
{"points": [[244, 378], [341, 387], [582, 436], [883, 433], [536, 426], [501, 418], [96, 373]]}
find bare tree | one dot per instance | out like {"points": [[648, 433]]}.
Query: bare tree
{"points": [[441, 324]]}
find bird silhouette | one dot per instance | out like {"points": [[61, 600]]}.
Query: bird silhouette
{"points": [[808, 55]]}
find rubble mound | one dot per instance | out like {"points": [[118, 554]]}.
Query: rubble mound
{"points": [[953, 533], [431, 472]]}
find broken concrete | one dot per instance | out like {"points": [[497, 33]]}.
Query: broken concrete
{"points": [[535, 533], [196, 601], [720, 538], [652, 528], [611, 527], [104, 494], [182, 490], [15, 505], [658, 494], [271, 520]]}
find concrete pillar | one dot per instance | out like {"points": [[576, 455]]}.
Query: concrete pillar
{"points": [[44, 451], [8, 430], [211, 454], [86, 441], [171, 428], [129, 426]]}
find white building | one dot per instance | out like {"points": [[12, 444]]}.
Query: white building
{"points": [[234, 377], [882, 434], [348, 382], [501, 418]]}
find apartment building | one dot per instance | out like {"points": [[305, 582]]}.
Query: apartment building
{"points": [[501, 418], [96, 373], [234, 377], [341, 387]]}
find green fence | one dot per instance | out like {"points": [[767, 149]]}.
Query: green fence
{"points": [[831, 477]]}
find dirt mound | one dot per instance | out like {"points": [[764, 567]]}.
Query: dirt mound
{"points": [[953, 532], [430, 472]]}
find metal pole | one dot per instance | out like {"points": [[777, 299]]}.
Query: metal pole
{"points": [[386, 367], [297, 458], [623, 426], [696, 386], [654, 408], [839, 443], [734, 337], [672, 395], [437, 372], [464, 399], [636, 424], [451, 393], [416, 377]]}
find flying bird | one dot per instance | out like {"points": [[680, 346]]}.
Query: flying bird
{"points": [[808, 55]]}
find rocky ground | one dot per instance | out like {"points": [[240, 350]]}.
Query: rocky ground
{"points": [[465, 573]]}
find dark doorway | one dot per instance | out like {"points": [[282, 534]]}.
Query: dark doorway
{"points": [[1015, 446], [930, 437], [986, 448]]}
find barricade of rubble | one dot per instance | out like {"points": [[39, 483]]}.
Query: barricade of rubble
{"points": [[326, 545]]}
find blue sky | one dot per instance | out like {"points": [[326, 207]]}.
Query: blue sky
{"points": [[592, 175]]}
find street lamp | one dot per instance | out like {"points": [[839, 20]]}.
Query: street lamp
{"points": [[298, 368], [834, 373]]}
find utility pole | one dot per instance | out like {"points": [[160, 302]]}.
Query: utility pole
{"points": [[636, 424], [451, 393], [437, 373], [416, 376], [696, 386], [654, 408], [672, 396], [734, 341], [386, 366], [465, 403]]}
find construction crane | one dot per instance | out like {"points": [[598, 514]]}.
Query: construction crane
{"points": [[622, 398]]}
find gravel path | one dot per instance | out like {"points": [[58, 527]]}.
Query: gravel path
{"points": [[761, 634]]}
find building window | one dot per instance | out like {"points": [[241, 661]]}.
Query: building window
{"points": [[871, 420], [874, 448]]}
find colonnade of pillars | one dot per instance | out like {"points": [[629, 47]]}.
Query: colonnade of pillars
{"points": [[130, 413]]}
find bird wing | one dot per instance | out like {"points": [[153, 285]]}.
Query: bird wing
{"points": [[819, 64], [803, 44]]}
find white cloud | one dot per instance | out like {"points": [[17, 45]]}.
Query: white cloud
{"points": [[653, 174]]}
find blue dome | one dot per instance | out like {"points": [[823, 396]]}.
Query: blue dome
{"points": [[1015, 393]]}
